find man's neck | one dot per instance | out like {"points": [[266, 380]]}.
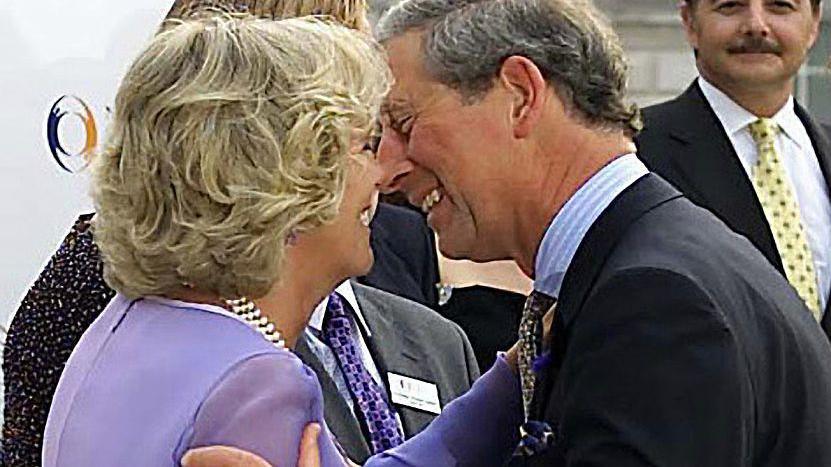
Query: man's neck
{"points": [[558, 185]]}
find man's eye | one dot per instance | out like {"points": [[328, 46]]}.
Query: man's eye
{"points": [[783, 6], [404, 125], [727, 7], [372, 144]]}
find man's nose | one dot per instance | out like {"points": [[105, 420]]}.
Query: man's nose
{"points": [[392, 156], [755, 21], [375, 173]]}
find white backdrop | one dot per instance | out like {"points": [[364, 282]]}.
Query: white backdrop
{"points": [[49, 49]]}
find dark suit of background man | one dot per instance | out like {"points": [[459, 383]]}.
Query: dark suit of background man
{"points": [[675, 343], [748, 54]]}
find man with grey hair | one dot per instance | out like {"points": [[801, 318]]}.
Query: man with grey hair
{"points": [[670, 345]]}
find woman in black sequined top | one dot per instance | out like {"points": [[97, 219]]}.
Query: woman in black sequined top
{"points": [[67, 297]]}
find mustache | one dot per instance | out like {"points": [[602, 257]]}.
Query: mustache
{"points": [[755, 45]]}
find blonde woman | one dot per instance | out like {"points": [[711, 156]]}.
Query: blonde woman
{"points": [[236, 171], [70, 292]]}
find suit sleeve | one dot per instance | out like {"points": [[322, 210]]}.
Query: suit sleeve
{"points": [[654, 378], [473, 370], [477, 429]]}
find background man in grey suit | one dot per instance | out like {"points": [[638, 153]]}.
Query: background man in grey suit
{"points": [[748, 54], [398, 338]]}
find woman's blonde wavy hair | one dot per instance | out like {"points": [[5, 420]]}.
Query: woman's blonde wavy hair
{"points": [[230, 133], [351, 13]]}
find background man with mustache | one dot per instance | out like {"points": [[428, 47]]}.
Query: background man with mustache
{"points": [[710, 141]]}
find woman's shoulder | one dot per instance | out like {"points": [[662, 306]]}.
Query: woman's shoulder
{"points": [[197, 347], [198, 329], [260, 404], [279, 366]]}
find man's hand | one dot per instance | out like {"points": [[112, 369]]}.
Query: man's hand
{"points": [[309, 451], [222, 456], [225, 456]]}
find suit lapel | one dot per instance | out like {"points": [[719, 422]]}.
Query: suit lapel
{"points": [[405, 359], [821, 140], [822, 146], [712, 172], [339, 417], [644, 195]]}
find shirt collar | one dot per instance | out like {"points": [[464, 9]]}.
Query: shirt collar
{"points": [[569, 226], [735, 118], [348, 293]]}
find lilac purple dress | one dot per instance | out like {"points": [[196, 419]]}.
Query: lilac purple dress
{"points": [[152, 378]]}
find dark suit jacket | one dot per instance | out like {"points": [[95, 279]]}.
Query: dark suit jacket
{"points": [[407, 339], [406, 263], [676, 343], [684, 142]]}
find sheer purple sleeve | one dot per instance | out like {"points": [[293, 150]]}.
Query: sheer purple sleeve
{"points": [[264, 402], [480, 428], [262, 405]]}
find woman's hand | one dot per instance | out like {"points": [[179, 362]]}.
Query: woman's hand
{"points": [[225, 456]]}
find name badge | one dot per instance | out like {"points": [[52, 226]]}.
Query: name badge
{"points": [[414, 393]]}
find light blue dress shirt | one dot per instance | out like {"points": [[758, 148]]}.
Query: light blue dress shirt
{"points": [[569, 226]]}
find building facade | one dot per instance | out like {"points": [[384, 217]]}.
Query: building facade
{"points": [[662, 63]]}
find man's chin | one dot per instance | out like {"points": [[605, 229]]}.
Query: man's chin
{"points": [[754, 67], [747, 76], [471, 251], [451, 248]]}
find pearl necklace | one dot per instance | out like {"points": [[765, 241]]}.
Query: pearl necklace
{"points": [[248, 312]]}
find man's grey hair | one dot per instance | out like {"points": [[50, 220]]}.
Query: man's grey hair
{"points": [[573, 45]]}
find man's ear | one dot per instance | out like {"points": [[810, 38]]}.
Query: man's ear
{"points": [[527, 87], [816, 24], [690, 27]]}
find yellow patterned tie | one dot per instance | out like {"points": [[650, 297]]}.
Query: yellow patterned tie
{"points": [[782, 213]]}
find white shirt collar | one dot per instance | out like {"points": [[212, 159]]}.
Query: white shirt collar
{"points": [[735, 118], [348, 293]]}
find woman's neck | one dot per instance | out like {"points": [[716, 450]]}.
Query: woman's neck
{"points": [[306, 281], [291, 302]]}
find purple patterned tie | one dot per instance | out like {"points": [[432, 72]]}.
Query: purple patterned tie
{"points": [[378, 419]]}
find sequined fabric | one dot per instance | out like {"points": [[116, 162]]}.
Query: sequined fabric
{"points": [[67, 297]]}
